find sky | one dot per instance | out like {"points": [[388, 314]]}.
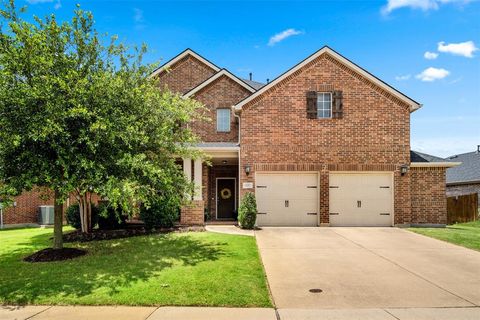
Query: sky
{"points": [[427, 49]]}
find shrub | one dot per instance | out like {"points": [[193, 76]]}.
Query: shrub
{"points": [[247, 213], [160, 213], [73, 216], [110, 218]]}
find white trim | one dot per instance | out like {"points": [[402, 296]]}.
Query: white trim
{"points": [[434, 164], [413, 104], [216, 194], [218, 148], [223, 72], [180, 57]]}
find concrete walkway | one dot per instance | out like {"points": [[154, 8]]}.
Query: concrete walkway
{"points": [[228, 229], [192, 313], [134, 313]]}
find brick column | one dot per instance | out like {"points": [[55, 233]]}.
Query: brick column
{"points": [[193, 213]]}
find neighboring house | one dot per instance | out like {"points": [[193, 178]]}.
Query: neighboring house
{"points": [[325, 143], [465, 178]]}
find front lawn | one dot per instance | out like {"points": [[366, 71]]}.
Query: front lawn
{"points": [[464, 234], [199, 268]]}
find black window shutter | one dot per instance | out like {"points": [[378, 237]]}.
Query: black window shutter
{"points": [[337, 107], [311, 104]]}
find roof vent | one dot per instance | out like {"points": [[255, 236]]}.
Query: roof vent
{"points": [[478, 148], [250, 75]]}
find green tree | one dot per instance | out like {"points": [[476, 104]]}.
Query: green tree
{"points": [[78, 116]]}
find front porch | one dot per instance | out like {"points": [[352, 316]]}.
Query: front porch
{"points": [[216, 185]]}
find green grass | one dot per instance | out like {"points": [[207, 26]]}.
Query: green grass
{"points": [[463, 234], [200, 268]]}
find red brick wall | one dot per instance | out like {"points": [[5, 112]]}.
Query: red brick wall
{"points": [[193, 214], [428, 192], [374, 133], [185, 74], [222, 93], [26, 210]]}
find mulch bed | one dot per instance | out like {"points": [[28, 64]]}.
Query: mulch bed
{"points": [[49, 254], [78, 236]]}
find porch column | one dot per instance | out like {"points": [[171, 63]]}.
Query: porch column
{"points": [[197, 179], [187, 168]]}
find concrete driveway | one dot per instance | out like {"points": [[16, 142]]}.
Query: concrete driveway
{"points": [[367, 268]]}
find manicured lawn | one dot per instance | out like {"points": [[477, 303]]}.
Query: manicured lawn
{"points": [[464, 234], [199, 268]]}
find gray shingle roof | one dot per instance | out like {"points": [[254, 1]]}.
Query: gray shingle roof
{"points": [[254, 84], [416, 156], [468, 171]]}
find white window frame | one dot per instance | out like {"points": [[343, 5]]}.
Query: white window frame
{"points": [[229, 120], [323, 101]]}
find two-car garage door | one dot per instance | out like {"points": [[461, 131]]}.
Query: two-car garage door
{"points": [[355, 199]]}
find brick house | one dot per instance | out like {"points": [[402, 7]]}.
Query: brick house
{"points": [[325, 143]]}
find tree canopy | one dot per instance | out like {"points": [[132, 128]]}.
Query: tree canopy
{"points": [[79, 113]]}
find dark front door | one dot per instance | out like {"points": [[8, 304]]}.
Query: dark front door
{"points": [[225, 198]]}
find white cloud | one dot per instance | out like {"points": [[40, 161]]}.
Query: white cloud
{"points": [[57, 5], [283, 35], [403, 78], [432, 74], [424, 5], [138, 15], [465, 49], [430, 55]]}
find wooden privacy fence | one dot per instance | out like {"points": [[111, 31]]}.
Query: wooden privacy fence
{"points": [[462, 208]]}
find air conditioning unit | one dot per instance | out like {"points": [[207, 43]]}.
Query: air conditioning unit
{"points": [[45, 215]]}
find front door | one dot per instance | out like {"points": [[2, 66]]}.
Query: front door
{"points": [[225, 198]]}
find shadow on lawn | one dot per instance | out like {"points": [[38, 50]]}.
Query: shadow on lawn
{"points": [[108, 264]]}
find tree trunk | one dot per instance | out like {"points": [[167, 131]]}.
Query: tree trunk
{"points": [[58, 223], [85, 206]]}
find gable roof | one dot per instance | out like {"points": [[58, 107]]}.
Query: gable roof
{"points": [[414, 105], [223, 72], [468, 171], [419, 159], [179, 57]]}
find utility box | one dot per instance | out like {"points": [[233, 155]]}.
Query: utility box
{"points": [[45, 215]]}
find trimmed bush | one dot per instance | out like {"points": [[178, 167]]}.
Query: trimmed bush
{"points": [[247, 213], [110, 218], [73, 216], [161, 213]]}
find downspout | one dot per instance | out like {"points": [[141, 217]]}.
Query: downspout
{"points": [[239, 159], [1, 215]]}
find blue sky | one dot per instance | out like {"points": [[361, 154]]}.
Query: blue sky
{"points": [[425, 48]]}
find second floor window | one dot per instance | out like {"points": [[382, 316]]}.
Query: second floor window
{"points": [[324, 105], [223, 120]]}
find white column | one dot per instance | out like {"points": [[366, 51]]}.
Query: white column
{"points": [[187, 168], [197, 179]]}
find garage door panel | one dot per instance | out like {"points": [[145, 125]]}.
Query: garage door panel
{"points": [[300, 190], [361, 199]]}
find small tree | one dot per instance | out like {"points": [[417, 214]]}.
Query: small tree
{"points": [[80, 117], [247, 213]]}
